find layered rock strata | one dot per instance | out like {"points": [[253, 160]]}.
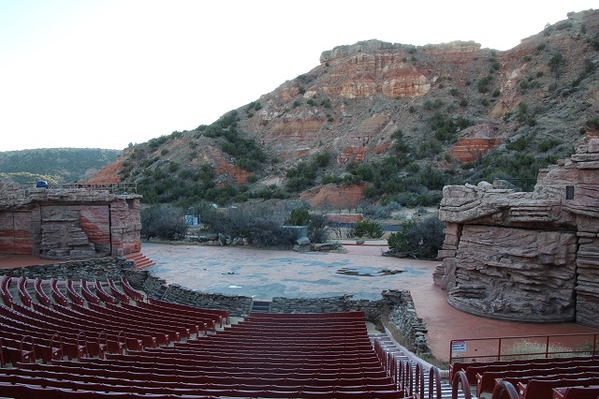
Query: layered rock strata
{"points": [[526, 256]]}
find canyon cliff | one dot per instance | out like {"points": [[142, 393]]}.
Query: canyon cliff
{"points": [[448, 106]]}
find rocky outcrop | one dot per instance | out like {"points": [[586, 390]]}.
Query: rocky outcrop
{"points": [[526, 256], [334, 197]]}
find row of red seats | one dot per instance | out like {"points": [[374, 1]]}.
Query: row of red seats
{"points": [[543, 388], [473, 368], [301, 318], [175, 307], [166, 384], [486, 381], [579, 392], [163, 377], [123, 364], [537, 380], [99, 391]]}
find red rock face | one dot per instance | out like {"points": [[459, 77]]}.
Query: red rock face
{"points": [[93, 220], [476, 142], [363, 75], [334, 197], [16, 235], [299, 132]]}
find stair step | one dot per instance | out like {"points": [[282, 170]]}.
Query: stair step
{"points": [[260, 306], [141, 261]]}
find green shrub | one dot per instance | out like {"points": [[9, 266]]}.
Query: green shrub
{"points": [[593, 123], [328, 179], [483, 84], [317, 229], [323, 159], [299, 217], [556, 62], [546, 145], [419, 239], [517, 145], [368, 228]]}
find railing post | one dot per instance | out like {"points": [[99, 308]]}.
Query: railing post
{"points": [[499, 350]]}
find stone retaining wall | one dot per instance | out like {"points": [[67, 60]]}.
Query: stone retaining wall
{"points": [[398, 305], [91, 269]]}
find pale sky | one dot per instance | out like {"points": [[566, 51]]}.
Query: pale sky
{"points": [[106, 73]]}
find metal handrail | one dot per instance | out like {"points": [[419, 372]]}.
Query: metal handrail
{"points": [[504, 386], [455, 385], [111, 187], [454, 344], [434, 377]]}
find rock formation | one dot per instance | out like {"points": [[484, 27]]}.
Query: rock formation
{"points": [[526, 256], [68, 223]]}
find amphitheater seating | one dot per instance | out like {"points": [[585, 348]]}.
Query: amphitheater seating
{"points": [[75, 340], [533, 379]]}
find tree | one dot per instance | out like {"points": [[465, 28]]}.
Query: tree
{"points": [[164, 222], [299, 217]]}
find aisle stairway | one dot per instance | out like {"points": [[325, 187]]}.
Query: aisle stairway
{"points": [[400, 354]]}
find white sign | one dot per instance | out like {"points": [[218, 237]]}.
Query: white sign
{"points": [[458, 346]]}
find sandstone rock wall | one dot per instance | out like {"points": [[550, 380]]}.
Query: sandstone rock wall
{"points": [[16, 232], [72, 223], [526, 256]]}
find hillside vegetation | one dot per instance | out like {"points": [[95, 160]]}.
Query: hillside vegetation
{"points": [[379, 123]]}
